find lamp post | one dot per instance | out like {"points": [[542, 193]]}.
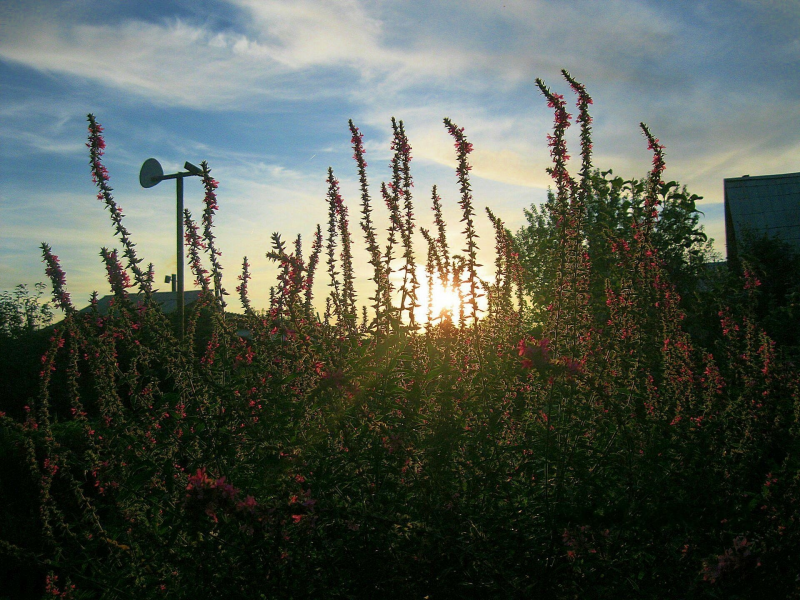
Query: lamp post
{"points": [[151, 174]]}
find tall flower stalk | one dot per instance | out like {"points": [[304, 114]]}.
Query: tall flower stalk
{"points": [[654, 181], [367, 226], [346, 256], [463, 149], [395, 225], [585, 121], [286, 300], [210, 207], [401, 187], [344, 300], [569, 306], [441, 238], [500, 294], [58, 279], [335, 295], [97, 145], [313, 261], [195, 246], [242, 287]]}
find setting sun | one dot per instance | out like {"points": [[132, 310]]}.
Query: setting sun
{"points": [[444, 300]]}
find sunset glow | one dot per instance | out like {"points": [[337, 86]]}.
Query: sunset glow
{"points": [[444, 301]]}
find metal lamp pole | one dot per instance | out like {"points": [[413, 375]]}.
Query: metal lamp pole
{"points": [[151, 174]]}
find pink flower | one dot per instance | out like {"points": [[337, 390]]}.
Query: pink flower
{"points": [[572, 368], [535, 354], [248, 504]]}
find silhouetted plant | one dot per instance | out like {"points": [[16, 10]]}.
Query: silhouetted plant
{"points": [[23, 312], [463, 149]]}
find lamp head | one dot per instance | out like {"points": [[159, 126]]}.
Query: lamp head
{"points": [[193, 169], [150, 173]]}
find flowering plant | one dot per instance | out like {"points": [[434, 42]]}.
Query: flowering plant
{"points": [[569, 438]]}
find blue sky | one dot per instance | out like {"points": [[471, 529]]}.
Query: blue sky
{"points": [[263, 89]]}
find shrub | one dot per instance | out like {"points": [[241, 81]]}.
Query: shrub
{"points": [[598, 454], [22, 313]]}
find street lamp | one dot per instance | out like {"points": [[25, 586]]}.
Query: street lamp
{"points": [[151, 174]]}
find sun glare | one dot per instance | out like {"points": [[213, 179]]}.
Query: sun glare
{"points": [[444, 301]]}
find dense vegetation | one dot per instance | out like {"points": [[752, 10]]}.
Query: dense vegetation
{"points": [[570, 438]]}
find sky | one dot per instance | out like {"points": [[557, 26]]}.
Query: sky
{"points": [[263, 90]]}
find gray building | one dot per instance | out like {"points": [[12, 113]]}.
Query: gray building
{"points": [[762, 205]]}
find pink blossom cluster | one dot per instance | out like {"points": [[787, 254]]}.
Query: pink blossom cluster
{"points": [[557, 141], [461, 144], [52, 589], [57, 278], [536, 355], [217, 497], [357, 141], [214, 495], [195, 243], [117, 275], [733, 559]]}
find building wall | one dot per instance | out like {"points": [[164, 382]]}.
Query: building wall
{"points": [[762, 205]]}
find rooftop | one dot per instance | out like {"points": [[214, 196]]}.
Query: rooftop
{"points": [[167, 300]]}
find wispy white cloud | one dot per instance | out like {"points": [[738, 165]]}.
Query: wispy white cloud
{"points": [[305, 33], [41, 126], [26, 141], [173, 63], [277, 50]]}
